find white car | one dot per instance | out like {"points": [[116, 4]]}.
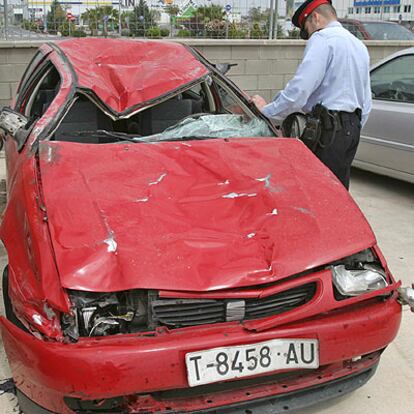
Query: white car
{"points": [[387, 140]]}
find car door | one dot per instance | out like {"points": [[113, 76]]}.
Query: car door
{"points": [[37, 90], [387, 140], [10, 145]]}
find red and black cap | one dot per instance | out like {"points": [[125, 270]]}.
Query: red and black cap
{"points": [[305, 10]]}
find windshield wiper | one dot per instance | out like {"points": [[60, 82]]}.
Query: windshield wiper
{"points": [[153, 138], [122, 136], [99, 133]]}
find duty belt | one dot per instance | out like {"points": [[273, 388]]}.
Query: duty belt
{"points": [[323, 120], [339, 117]]}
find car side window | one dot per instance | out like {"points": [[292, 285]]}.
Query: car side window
{"points": [[358, 34], [42, 93], [394, 81], [27, 80], [229, 103], [353, 29]]}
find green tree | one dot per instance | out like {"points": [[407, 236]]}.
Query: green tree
{"points": [[205, 14], [95, 18], [56, 17], [141, 19], [206, 21]]}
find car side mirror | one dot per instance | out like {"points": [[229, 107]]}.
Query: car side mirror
{"points": [[11, 121], [14, 124], [223, 68]]}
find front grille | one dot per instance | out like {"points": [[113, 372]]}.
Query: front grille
{"points": [[188, 312], [176, 313]]}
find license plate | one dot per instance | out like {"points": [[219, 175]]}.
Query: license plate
{"points": [[219, 364]]}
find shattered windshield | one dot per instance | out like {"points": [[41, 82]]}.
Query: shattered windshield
{"points": [[213, 126], [204, 111]]}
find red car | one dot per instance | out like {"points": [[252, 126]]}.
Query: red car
{"points": [[168, 253], [377, 30]]}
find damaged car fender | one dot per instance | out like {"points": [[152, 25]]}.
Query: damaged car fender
{"points": [[33, 276]]}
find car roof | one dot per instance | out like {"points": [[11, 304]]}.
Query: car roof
{"points": [[127, 73], [408, 51], [365, 21]]}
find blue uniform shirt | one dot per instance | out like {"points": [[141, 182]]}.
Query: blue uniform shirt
{"points": [[334, 72]]}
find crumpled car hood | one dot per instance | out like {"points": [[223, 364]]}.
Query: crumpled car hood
{"points": [[193, 216]]}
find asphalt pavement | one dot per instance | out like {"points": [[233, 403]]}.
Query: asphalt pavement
{"points": [[389, 207]]}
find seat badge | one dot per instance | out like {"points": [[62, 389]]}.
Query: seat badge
{"points": [[235, 310]]}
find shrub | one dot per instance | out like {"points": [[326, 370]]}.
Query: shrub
{"points": [[153, 32], [67, 29], [257, 32], [165, 32], [29, 25], [216, 29], [73, 32], [236, 32], [184, 33], [79, 33], [294, 34]]}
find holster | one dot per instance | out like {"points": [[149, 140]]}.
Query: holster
{"points": [[318, 121], [312, 133]]}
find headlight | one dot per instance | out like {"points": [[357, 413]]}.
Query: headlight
{"points": [[357, 282], [102, 314]]}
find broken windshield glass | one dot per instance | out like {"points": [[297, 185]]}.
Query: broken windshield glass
{"points": [[213, 126]]}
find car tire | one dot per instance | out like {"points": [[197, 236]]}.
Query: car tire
{"points": [[8, 308], [27, 406]]}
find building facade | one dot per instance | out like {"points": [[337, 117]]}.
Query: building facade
{"points": [[401, 11]]}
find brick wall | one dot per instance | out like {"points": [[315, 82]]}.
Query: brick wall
{"points": [[264, 67]]}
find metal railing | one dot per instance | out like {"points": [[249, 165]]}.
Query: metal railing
{"points": [[216, 19]]}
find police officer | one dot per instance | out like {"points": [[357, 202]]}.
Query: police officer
{"points": [[334, 72]]}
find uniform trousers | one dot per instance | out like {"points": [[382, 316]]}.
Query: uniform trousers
{"points": [[339, 154]]}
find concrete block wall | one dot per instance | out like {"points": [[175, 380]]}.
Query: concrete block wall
{"points": [[263, 66], [13, 61]]}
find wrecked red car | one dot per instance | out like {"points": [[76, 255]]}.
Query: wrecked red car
{"points": [[168, 253]]}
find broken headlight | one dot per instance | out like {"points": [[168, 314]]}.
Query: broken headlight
{"points": [[101, 314], [358, 274]]}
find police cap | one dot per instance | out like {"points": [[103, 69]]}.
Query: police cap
{"points": [[305, 10]]}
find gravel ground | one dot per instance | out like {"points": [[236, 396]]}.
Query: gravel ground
{"points": [[389, 207]]}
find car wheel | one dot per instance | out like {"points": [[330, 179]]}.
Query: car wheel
{"points": [[27, 406], [8, 308]]}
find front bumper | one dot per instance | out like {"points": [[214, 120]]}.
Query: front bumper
{"points": [[307, 397], [142, 367], [274, 405]]}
